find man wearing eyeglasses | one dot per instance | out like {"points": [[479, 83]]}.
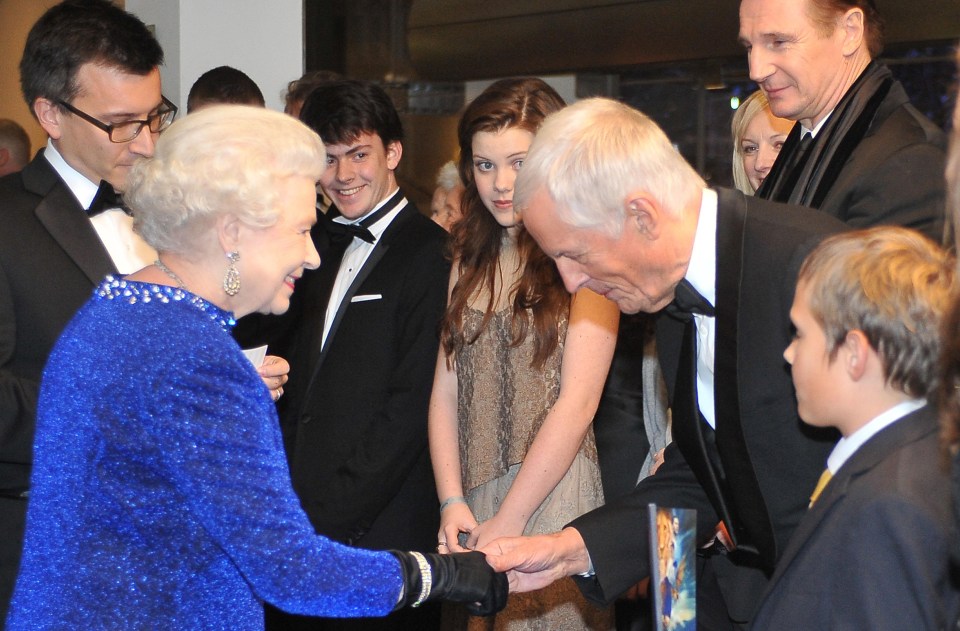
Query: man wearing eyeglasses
{"points": [[90, 76]]}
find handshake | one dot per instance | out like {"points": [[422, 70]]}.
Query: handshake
{"points": [[463, 577], [527, 563]]}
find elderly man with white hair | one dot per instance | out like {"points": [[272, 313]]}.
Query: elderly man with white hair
{"points": [[619, 210]]}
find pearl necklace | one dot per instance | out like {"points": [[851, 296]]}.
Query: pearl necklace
{"points": [[169, 272]]}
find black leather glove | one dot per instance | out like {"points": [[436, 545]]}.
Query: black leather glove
{"points": [[463, 577]]}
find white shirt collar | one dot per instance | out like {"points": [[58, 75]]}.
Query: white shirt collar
{"points": [[816, 130], [848, 445], [702, 269], [82, 188]]}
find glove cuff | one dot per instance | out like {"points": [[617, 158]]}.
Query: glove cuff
{"points": [[417, 578], [426, 578]]}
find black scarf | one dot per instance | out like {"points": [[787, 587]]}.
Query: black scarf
{"points": [[836, 141]]}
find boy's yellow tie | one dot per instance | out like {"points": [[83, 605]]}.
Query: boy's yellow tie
{"points": [[821, 483]]}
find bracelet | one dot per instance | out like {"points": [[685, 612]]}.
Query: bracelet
{"points": [[456, 499], [426, 578]]}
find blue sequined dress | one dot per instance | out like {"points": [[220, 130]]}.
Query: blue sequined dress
{"points": [[161, 497]]}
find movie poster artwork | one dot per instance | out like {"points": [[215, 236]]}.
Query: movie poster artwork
{"points": [[673, 580]]}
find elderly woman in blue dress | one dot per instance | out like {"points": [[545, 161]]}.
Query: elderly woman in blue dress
{"points": [[161, 497]]}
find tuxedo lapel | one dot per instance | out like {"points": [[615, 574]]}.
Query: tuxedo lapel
{"points": [[379, 250], [66, 221], [753, 530], [669, 332], [319, 297], [696, 440], [71, 229]]}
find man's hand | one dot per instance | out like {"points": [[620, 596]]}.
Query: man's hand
{"points": [[534, 562]]}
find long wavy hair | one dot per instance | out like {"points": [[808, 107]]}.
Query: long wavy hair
{"points": [[538, 299]]}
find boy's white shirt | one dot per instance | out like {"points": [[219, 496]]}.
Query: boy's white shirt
{"points": [[848, 445]]}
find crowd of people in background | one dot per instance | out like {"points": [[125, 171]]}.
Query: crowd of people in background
{"points": [[463, 423]]}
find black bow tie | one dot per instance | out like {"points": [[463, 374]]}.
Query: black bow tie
{"points": [[346, 232], [687, 301], [106, 199]]}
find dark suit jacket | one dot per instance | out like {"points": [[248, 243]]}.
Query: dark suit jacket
{"points": [[50, 261], [895, 174], [357, 411], [873, 551], [768, 460]]}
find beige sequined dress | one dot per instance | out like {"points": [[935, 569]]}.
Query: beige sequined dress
{"points": [[502, 401]]}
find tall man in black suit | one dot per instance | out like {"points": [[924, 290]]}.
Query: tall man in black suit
{"points": [[859, 150], [90, 75], [355, 412], [635, 223]]}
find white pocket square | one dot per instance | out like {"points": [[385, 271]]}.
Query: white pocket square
{"points": [[366, 298]]}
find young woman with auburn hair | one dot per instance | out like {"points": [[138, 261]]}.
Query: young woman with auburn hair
{"points": [[520, 370]]}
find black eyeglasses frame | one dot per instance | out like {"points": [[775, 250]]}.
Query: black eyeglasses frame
{"points": [[155, 122]]}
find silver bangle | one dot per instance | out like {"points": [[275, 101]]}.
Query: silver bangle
{"points": [[426, 578], [456, 499]]}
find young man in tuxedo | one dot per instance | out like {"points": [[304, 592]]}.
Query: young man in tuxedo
{"points": [[635, 223], [355, 412], [873, 550]]}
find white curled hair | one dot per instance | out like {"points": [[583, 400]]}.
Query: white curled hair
{"points": [[221, 159]]}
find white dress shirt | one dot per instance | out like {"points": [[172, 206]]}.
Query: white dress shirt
{"points": [[702, 274], [816, 130], [356, 254], [848, 445]]}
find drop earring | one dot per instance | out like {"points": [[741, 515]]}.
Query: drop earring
{"points": [[231, 280]]}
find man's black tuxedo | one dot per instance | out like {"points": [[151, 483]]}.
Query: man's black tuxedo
{"points": [[758, 475], [873, 552], [50, 261], [357, 410]]}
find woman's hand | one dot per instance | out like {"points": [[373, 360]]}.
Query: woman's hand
{"points": [[657, 461], [454, 519], [275, 372], [491, 530]]}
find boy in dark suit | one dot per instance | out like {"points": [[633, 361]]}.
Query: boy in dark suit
{"points": [[872, 551]]}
